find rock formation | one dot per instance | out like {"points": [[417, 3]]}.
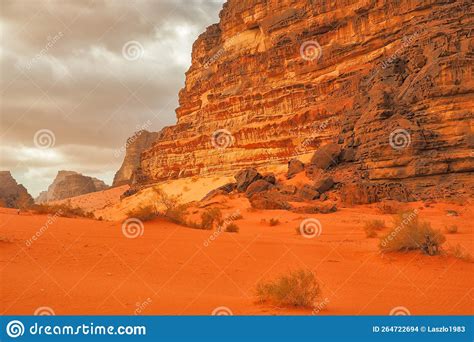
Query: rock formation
{"points": [[12, 194], [70, 184], [387, 83], [133, 148]]}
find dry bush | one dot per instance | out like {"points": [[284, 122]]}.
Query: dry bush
{"points": [[452, 229], [371, 227], [62, 210], [209, 217], [409, 233], [299, 288], [274, 222], [173, 210], [232, 228], [390, 207], [146, 213], [460, 252]]}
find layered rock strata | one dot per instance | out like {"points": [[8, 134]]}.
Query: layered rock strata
{"points": [[389, 82]]}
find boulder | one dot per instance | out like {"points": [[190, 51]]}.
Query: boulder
{"points": [[258, 186], [269, 200], [270, 178], [222, 190], [326, 156], [317, 208], [348, 155], [287, 189], [294, 167], [324, 184], [246, 177], [307, 192]]}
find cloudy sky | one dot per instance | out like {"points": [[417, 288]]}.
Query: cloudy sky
{"points": [[79, 77]]}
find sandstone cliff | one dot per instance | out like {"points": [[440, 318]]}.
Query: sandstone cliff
{"points": [[133, 148], [70, 184], [389, 82], [12, 194]]}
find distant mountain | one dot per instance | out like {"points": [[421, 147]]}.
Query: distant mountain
{"points": [[12, 194], [70, 184]]}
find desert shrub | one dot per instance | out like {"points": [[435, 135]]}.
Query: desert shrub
{"points": [[452, 229], [299, 288], [232, 228], [61, 210], [274, 222], [371, 227], [146, 213], [177, 214], [209, 217], [409, 233], [173, 210], [460, 252], [390, 207]]}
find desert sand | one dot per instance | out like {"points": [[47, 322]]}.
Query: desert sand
{"points": [[84, 266]]}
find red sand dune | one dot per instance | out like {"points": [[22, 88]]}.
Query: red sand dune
{"points": [[82, 266]]}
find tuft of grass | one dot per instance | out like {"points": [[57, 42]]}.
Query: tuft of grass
{"points": [[461, 253], [209, 217], [146, 213], [409, 233], [452, 229], [274, 222], [371, 227], [232, 228], [299, 288]]}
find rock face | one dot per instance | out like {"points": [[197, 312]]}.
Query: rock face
{"points": [[12, 194], [389, 82], [70, 184], [134, 146]]}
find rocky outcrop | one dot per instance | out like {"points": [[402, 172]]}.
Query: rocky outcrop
{"points": [[387, 82], [133, 148], [70, 184], [12, 194]]}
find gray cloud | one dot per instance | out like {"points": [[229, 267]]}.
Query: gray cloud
{"points": [[63, 69]]}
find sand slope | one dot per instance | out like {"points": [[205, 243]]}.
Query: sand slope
{"points": [[81, 266]]}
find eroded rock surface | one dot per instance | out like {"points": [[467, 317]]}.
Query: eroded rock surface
{"points": [[12, 194], [391, 86], [70, 184]]}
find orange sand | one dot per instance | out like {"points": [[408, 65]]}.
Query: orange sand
{"points": [[82, 266]]}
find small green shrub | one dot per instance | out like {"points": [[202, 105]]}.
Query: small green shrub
{"points": [[409, 233], [299, 288]]}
